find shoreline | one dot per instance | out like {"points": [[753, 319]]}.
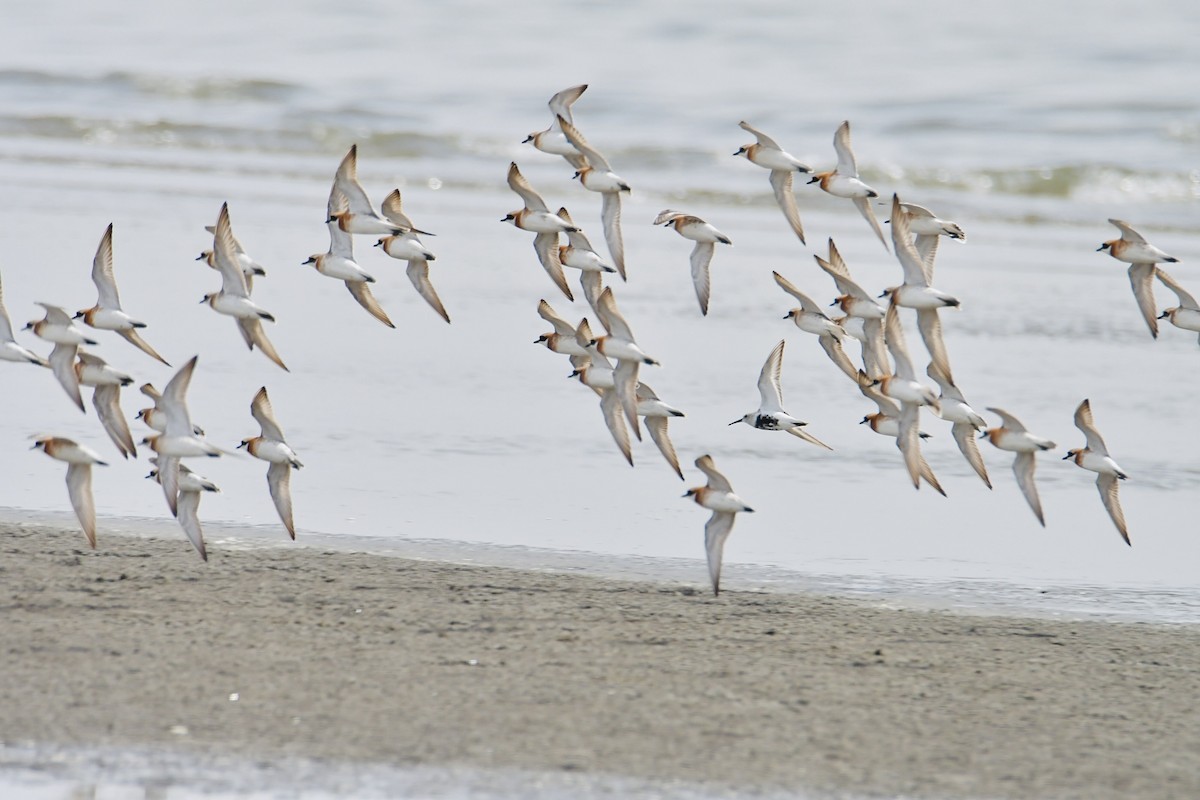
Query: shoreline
{"points": [[954, 594], [354, 658]]}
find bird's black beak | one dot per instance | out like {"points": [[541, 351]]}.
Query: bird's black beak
{"points": [[735, 422], [240, 446], [78, 314], [1068, 456], [203, 300], [330, 218], [1102, 247], [1164, 315], [814, 180], [379, 243], [576, 175], [864, 420], [527, 139]]}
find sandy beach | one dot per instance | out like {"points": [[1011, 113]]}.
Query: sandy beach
{"points": [[362, 658]]}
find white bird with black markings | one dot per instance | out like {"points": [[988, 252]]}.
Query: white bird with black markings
{"points": [[179, 440], [595, 371], [552, 139], [965, 422], [250, 268], [338, 263], [1133, 249], [843, 180], [770, 415], [91, 370], [579, 254], [536, 217], [270, 446], [562, 339], [1094, 457], [191, 488], [706, 238], [904, 387], [916, 293], [1013, 437], [886, 422], [1186, 315], [717, 496], [156, 418], [408, 247], [79, 478], [9, 349], [620, 345], [234, 298], [392, 208], [358, 214], [809, 318], [657, 415], [766, 153], [597, 176], [107, 314], [57, 327], [928, 230], [857, 304], [592, 369]]}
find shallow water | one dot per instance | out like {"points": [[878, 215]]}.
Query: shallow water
{"points": [[42, 773], [1029, 135]]}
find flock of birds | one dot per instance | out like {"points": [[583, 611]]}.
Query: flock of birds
{"points": [[608, 363], [174, 437]]}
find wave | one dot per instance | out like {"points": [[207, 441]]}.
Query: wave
{"points": [[1079, 181], [314, 137], [124, 109], [692, 171], [204, 89]]}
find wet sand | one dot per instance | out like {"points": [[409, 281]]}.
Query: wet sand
{"points": [[364, 658]]}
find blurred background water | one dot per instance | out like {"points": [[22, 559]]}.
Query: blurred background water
{"points": [[1029, 135]]}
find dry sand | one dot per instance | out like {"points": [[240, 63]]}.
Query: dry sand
{"points": [[365, 658]]}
